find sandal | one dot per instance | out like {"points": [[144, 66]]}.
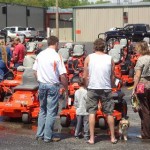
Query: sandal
{"points": [[88, 142]]}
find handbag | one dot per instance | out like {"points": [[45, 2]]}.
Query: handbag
{"points": [[135, 103], [140, 88]]}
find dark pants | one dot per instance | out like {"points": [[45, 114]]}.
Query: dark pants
{"points": [[144, 114], [82, 121], [18, 64]]}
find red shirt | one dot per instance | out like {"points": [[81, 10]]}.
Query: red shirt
{"points": [[19, 52]]}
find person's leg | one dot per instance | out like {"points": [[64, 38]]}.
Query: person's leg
{"points": [[42, 113], [86, 126], [78, 129], [92, 106], [52, 108], [144, 114], [92, 127], [110, 120], [107, 108]]}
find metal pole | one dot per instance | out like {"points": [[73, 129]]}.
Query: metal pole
{"points": [[57, 20]]}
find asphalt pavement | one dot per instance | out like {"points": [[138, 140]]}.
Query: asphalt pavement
{"points": [[14, 135]]}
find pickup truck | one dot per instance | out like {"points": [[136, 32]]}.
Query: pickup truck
{"points": [[18, 30], [135, 32], [9, 35]]}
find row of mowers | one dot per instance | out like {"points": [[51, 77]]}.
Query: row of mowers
{"points": [[23, 103]]}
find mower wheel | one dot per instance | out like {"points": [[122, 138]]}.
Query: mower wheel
{"points": [[102, 123], [26, 118], [65, 121], [2, 95]]}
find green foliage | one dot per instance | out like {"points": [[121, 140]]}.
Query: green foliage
{"points": [[102, 2], [50, 3]]}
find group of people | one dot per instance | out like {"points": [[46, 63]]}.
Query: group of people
{"points": [[96, 84], [14, 54]]}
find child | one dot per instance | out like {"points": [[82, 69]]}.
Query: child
{"points": [[82, 115]]}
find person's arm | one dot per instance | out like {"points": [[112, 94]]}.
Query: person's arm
{"points": [[64, 81], [35, 67], [136, 80], [112, 73], [86, 71], [16, 54]]}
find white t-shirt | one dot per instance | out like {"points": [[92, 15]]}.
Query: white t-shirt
{"points": [[49, 66], [99, 71]]}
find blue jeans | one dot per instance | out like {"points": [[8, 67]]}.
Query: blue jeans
{"points": [[48, 97]]}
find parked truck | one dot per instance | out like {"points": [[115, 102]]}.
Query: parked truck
{"points": [[135, 32]]}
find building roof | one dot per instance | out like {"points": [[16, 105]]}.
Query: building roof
{"points": [[115, 5]]}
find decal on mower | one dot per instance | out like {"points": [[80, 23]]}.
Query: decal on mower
{"points": [[69, 101], [8, 104]]}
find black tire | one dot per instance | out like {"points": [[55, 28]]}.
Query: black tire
{"points": [[2, 95], [26, 118], [65, 121], [102, 123]]}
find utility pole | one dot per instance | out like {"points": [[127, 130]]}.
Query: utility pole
{"points": [[57, 19]]}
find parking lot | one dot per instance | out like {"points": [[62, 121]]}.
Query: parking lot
{"points": [[14, 135]]}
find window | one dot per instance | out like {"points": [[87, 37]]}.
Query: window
{"points": [[125, 17]]}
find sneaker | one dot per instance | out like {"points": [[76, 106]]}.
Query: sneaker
{"points": [[77, 137], [54, 139], [39, 138], [86, 138]]}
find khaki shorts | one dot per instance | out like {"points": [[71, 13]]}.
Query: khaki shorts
{"points": [[96, 95]]}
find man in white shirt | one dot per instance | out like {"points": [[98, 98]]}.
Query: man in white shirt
{"points": [[49, 68]]}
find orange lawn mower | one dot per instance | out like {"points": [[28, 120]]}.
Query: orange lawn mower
{"points": [[14, 76], [68, 115], [76, 61], [123, 68], [24, 101]]}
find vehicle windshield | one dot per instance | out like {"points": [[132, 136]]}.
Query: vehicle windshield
{"points": [[21, 29]]}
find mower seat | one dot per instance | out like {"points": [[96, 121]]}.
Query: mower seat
{"points": [[118, 95], [64, 52], [31, 46], [78, 50], [123, 42], [29, 82], [116, 53], [124, 68], [75, 79], [27, 62]]}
